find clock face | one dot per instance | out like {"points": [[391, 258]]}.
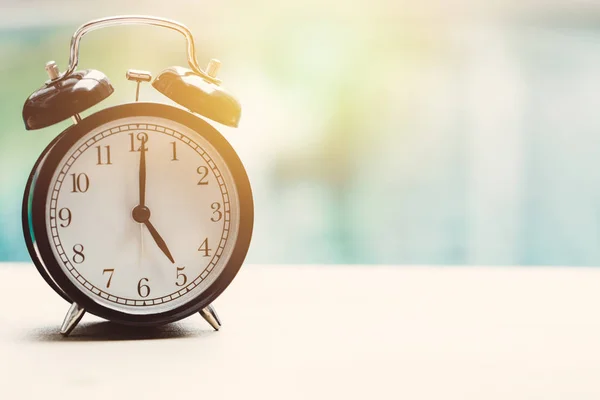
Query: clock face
{"points": [[142, 214]]}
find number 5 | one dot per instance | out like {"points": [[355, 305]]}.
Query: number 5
{"points": [[181, 275]]}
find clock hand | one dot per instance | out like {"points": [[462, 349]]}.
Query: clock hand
{"points": [[159, 240], [142, 180], [141, 213]]}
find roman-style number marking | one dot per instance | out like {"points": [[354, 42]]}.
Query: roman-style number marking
{"points": [[78, 257], [143, 289], [204, 248], [111, 271], [81, 183], [103, 156], [142, 137], [64, 214], [174, 144], [217, 214], [183, 280], [203, 172]]}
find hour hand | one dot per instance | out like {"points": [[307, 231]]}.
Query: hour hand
{"points": [[159, 240], [141, 214]]}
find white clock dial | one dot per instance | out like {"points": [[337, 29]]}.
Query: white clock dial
{"points": [[193, 204]]}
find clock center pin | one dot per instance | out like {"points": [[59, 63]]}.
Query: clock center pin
{"points": [[140, 214]]}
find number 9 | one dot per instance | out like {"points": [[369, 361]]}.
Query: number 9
{"points": [[64, 214]]}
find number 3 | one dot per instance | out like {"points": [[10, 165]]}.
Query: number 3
{"points": [[217, 214]]}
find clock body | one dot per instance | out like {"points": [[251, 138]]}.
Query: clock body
{"points": [[86, 240]]}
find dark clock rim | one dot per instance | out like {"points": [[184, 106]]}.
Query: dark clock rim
{"points": [[38, 210]]}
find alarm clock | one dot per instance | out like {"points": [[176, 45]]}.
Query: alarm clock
{"points": [[141, 213]]}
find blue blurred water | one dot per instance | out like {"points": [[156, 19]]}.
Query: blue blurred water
{"points": [[474, 144]]}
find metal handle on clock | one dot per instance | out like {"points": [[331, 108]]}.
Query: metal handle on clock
{"points": [[133, 20]]}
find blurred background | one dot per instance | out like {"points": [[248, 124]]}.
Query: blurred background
{"points": [[378, 132]]}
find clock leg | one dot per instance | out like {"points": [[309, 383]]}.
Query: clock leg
{"points": [[210, 315], [72, 318]]}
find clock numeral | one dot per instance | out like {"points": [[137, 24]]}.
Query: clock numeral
{"points": [[217, 214], [181, 275], [64, 214], [101, 157], [204, 247], [203, 172], [111, 271], [174, 144], [142, 137], [143, 288], [81, 183], [79, 257]]}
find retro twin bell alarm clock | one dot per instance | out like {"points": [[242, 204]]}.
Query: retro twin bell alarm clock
{"points": [[141, 213]]}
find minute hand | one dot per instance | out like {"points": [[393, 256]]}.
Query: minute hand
{"points": [[143, 174], [159, 240]]}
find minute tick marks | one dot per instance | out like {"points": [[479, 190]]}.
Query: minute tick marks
{"points": [[79, 230], [170, 199]]}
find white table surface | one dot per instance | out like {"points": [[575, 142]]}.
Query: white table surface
{"points": [[322, 332]]}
